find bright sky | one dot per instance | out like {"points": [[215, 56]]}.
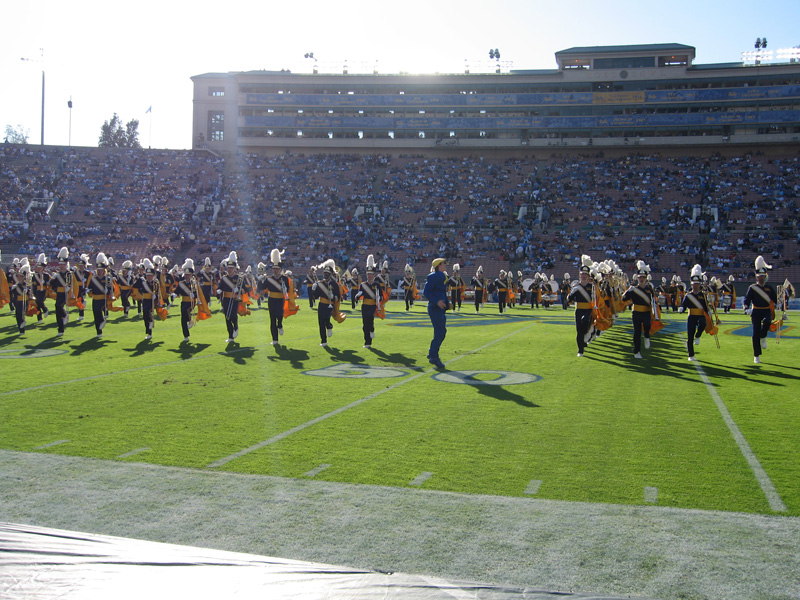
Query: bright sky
{"points": [[124, 57]]}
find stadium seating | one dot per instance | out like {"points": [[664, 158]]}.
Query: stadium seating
{"points": [[670, 211]]}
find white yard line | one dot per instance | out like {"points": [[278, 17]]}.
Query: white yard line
{"points": [[112, 373], [775, 502], [340, 410]]}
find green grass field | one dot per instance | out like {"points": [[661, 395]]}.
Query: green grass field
{"points": [[515, 414]]}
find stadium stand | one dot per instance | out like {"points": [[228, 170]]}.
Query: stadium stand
{"points": [[537, 213]]}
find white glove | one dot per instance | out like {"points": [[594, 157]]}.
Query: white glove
{"points": [[681, 309], [748, 311]]}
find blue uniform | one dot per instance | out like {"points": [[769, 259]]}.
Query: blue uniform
{"points": [[435, 291]]}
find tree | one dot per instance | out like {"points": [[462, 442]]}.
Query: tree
{"points": [[17, 135], [113, 135]]}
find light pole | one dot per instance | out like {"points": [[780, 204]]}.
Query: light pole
{"points": [[70, 121], [41, 60]]}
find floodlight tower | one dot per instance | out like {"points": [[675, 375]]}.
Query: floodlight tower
{"points": [[40, 60]]}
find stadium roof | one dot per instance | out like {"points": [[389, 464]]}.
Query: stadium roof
{"points": [[627, 49]]}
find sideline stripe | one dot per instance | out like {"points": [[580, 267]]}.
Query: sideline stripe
{"points": [[775, 502], [316, 471], [421, 478], [353, 404], [651, 495], [533, 486], [133, 452], [51, 444]]}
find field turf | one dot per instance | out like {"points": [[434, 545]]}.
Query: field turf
{"points": [[516, 412]]}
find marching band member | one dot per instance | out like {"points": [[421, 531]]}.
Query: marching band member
{"points": [[520, 289], [408, 286], [146, 288], [454, 287], [100, 287], [41, 282], [354, 284], [479, 284], [328, 293], [20, 292], [254, 283], [581, 294], [535, 290], [641, 295], [759, 303], [673, 294], [185, 289], [10, 279], [61, 286], [436, 292], [81, 276], [728, 294], [229, 288], [385, 282], [126, 279], [311, 279], [511, 297], [369, 292], [207, 277], [171, 279], [276, 287], [564, 290], [501, 285], [695, 303]]}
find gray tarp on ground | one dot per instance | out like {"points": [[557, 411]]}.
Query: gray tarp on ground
{"points": [[41, 563]]}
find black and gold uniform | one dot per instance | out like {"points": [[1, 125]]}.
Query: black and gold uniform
{"points": [[369, 293], [582, 294], [275, 287], [100, 287], [478, 283], [229, 289], [641, 296], [146, 288], [40, 283], [759, 303], [328, 293], [501, 285], [695, 303]]}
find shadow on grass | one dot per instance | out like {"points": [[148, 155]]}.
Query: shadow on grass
{"points": [[187, 350], [348, 356], [144, 347], [9, 335], [295, 357], [749, 372], [498, 392], [239, 354], [395, 359], [90, 345]]}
